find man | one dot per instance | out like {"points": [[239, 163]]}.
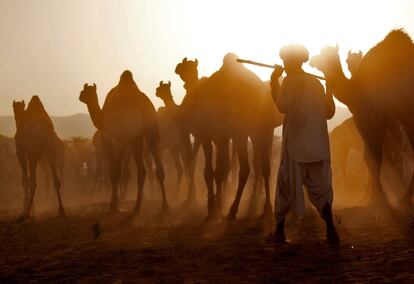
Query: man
{"points": [[305, 157]]}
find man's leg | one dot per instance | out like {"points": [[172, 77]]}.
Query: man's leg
{"points": [[282, 200], [318, 181], [289, 195]]}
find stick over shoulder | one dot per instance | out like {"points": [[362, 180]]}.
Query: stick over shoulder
{"points": [[273, 66]]}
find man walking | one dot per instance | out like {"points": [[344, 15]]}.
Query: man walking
{"points": [[305, 155]]}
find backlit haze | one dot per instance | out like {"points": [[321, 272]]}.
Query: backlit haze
{"points": [[51, 48]]}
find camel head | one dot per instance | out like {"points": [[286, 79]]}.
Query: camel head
{"points": [[327, 61], [353, 60], [88, 94], [163, 91], [19, 107], [187, 70]]}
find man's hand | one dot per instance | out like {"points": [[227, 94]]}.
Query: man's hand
{"points": [[276, 74]]}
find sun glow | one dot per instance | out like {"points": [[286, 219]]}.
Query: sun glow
{"points": [[68, 43], [257, 29]]}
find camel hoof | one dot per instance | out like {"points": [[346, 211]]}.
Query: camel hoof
{"points": [[230, 219], [190, 203], [165, 210], [405, 203], [62, 213], [209, 219], [232, 213], [22, 218], [134, 215], [114, 211], [332, 237], [279, 237]]}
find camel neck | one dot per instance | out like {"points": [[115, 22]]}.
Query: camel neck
{"points": [[95, 112], [169, 102], [341, 86], [18, 118], [190, 84]]}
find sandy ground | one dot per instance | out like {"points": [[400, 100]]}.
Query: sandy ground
{"points": [[184, 249]]}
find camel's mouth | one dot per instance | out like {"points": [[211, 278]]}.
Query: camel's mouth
{"points": [[82, 97]]}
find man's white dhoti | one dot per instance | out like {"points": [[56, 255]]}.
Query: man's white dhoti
{"points": [[315, 176]]}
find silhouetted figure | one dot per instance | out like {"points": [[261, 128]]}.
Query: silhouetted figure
{"points": [[233, 103], [305, 157], [35, 139], [175, 138], [126, 120], [380, 89]]}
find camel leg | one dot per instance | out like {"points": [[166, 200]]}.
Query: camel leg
{"points": [[209, 176], [125, 177], [373, 155], [159, 171], [141, 173], [149, 169], [32, 186], [241, 144], [25, 178], [178, 166], [115, 165], [222, 165], [190, 157], [254, 199], [53, 167], [45, 171], [233, 163], [266, 151], [97, 176]]}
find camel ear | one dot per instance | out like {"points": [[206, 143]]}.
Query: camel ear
{"points": [[94, 86], [160, 84], [196, 62], [14, 102], [185, 59], [85, 85], [23, 102], [169, 83]]}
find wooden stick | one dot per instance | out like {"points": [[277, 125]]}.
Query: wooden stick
{"points": [[273, 67]]}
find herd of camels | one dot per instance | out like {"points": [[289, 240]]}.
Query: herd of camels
{"points": [[226, 109]]}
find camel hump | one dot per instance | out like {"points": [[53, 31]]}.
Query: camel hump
{"points": [[393, 57], [397, 37], [36, 112]]}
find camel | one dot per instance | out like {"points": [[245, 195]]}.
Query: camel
{"points": [[126, 120], [233, 103], [175, 139], [35, 138], [381, 89]]}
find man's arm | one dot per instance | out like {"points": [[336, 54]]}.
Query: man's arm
{"points": [[278, 94], [330, 104]]}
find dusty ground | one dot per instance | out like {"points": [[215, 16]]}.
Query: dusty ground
{"points": [[183, 249]]}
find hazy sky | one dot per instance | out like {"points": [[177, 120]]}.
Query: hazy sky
{"points": [[51, 48]]}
